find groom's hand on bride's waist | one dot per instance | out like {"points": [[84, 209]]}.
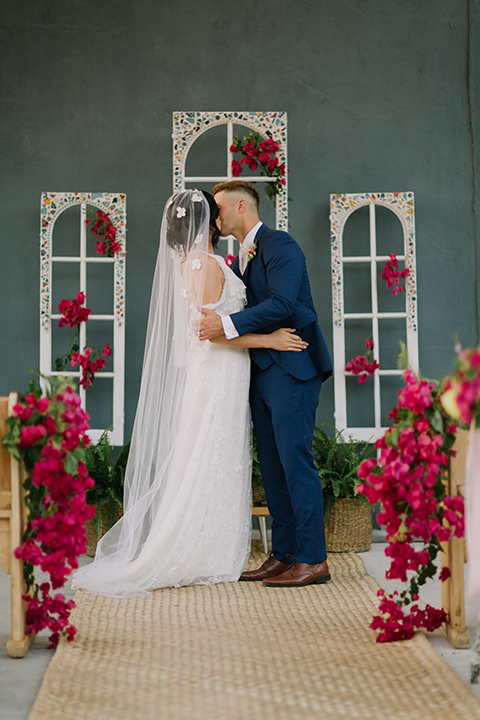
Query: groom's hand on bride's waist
{"points": [[210, 326]]}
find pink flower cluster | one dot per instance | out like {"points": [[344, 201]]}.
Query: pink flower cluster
{"points": [[90, 362], [106, 233], [229, 259], [392, 275], [407, 481], [41, 613], [361, 366], [259, 153], [463, 387], [73, 312], [55, 428], [401, 626]]}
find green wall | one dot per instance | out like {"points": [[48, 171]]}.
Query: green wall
{"points": [[381, 95]]}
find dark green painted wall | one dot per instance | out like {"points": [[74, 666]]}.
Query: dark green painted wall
{"points": [[380, 95]]}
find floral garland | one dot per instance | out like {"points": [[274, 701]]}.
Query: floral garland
{"points": [[105, 232], [409, 481], [263, 154], [363, 365], [49, 435], [392, 275], [91, 360]]}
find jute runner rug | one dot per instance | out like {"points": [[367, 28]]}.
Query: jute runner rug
{"points": [[244, 651]]}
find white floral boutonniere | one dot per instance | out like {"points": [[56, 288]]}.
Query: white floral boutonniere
{"points": [[246, 254], [250, 251]]}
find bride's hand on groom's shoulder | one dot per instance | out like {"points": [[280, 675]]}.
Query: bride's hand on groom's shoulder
{"points": [[286, 341]]}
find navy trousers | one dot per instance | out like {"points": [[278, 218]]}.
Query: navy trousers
{"points": [[283, 412]]}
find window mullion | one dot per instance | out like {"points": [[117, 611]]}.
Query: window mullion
{"points": [[373, 273]]}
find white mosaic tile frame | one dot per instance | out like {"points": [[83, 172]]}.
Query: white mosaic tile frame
{"points": [[341, 208], [189, 125], [51, 207]]}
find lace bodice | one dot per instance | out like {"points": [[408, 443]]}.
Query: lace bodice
{"points": [[233, 297]]}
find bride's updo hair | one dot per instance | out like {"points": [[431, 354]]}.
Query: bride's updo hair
{"points": [[214, 213], [185, 216]]}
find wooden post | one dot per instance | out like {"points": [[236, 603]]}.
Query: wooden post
{"points": [[453, 556], [11, 530]]}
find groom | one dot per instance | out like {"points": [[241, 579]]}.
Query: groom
{"points": [[284, 386]]}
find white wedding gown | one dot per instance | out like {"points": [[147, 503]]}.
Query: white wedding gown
{"points": [[202, 529]]}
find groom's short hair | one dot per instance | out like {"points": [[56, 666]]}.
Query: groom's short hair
{"points": [[241, 187]]}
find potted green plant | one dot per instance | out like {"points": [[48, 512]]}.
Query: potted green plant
{"points": [[107, 494], [258, 491], [347, 515]]}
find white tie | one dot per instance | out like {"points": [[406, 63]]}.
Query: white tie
{"points": [[243, 259]]}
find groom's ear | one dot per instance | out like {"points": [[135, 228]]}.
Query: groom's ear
{"points": [[241, 206]]}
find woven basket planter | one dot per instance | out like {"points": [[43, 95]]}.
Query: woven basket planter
{"points": [[91, 531], [258, 495], [349, 526]]}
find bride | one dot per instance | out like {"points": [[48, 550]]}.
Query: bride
{"points": [[187, 502]]}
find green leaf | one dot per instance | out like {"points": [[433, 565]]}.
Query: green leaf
{"points": [[437, 422], [393, 436], [71, 463]]}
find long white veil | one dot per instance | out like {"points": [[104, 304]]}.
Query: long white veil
{"points": [[177, 294]]}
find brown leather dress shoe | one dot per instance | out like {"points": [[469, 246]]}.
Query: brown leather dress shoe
{"points": [[270, 569], [300, 574]]}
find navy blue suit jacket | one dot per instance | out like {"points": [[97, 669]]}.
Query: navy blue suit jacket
{"points": [[279, 295]]}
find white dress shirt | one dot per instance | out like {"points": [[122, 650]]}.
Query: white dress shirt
{"points": [[228, 326]]}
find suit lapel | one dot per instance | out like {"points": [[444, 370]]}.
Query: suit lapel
{"points": [[258, 236]]}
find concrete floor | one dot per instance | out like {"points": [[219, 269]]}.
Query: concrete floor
{"points": [[20, 679]]}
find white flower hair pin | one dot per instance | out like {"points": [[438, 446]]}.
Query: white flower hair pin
{"points": [[181, 212], [196, 197]]}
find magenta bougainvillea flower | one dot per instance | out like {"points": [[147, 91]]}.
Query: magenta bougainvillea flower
{"points": [[49, 435], [461, 391], [105, 232], [407, 479], [73, 311], [262, 154], [91, 361], [363, 365], [392, 275]]}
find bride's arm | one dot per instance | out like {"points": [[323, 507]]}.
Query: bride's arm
{"points": [[283, 339]]}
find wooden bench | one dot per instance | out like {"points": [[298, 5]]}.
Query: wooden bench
{"points": [[11, 530], [261, 513]]}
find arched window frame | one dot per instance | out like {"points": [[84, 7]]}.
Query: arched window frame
{"points": [[52, 206], [188, 126], [341, 208]]}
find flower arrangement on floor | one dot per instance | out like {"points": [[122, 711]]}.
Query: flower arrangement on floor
{"points": [[392, 275], [48, 434], [408, 480], [363, 365], [260, 153]]}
